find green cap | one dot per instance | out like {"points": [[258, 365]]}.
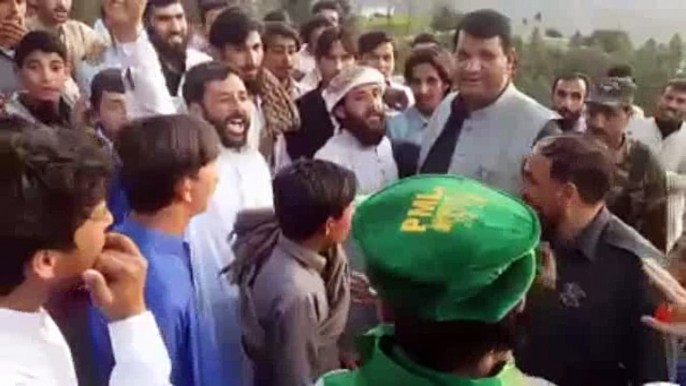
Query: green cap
{"points": [[448, 248], [613, 92]]}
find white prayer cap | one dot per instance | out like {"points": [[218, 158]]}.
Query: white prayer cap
{"points": [[347, 80]]}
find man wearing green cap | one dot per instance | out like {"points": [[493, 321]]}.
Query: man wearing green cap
{"points": [[455, 299], [586, 329], [639, 191]]}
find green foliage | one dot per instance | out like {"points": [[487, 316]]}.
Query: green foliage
{"points": [[445, 18], [553, 33]]}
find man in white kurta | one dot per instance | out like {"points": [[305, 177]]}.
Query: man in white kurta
{"points": [[355, 98], [665, 135], [216, 94]]}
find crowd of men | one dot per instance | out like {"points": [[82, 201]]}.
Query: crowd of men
{"points": [[258, 203]]}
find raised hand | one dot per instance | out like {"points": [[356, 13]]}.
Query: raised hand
{"points": [[11, 32], [126, 17], [674, 292], [116, 282]]}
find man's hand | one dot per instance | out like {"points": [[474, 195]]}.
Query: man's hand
{"points": [[126, 17], [11, 32], [116, 282], [548, 275], [80, 113], [361, 291], [674, 293]]}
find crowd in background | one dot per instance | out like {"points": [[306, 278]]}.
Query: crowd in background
{"points": [[254, 202]]}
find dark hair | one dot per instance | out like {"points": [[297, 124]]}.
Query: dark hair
{"points": [[436, 57], [208, 6], [325, 5], [50, 182], [233, 27], [331, 36], [313, 24], [371, 40], [445, 346], [109, 80], [425, 38], [678, 84], [279, 29], [486, 24], [277, 15], [39, 41], [158, 152], [581, 161], [620, 71], [152, 4], [197, 78], [573, 76], [309, 192]]}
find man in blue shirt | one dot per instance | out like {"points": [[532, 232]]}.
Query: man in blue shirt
{"points": [[168, 173]]}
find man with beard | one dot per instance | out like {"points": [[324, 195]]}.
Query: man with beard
{"points": [[153, 61], [236, 36], [168, 30], [568, 98], [355, 98], [638, 195], [485, 130], [217, 94], [586, 328], [455, 285], [666, 137]]}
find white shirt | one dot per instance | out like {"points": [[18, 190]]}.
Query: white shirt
{"points": [[146, 58], [305, 63], [374, 166], [244, 183], [33, 352], [671, 152]]}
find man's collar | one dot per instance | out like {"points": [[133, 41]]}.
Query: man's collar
{"points": [[305, 256], [587, 241]]}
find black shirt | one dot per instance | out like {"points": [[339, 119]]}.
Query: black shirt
{"points": [[588, 331], [315, 129]]}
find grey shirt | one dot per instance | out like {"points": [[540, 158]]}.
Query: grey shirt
{"points": [[9, 81], [282, 321], [494, 140]]}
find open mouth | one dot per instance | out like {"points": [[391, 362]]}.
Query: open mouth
{"points": [[235, 126], [61, 14]]}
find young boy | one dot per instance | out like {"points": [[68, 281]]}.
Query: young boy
{"points": [[169, 173], [41, 62], [52, 233], [295, 297]]}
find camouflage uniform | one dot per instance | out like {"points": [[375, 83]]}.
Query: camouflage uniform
{"points": [[639, 193]]}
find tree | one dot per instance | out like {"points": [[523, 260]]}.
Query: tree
{"points": [[445, 18], [612, 41], [675, 54], [577, 40], [553, 33]]}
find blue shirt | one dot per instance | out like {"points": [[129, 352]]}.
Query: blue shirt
{"points": [[117, 202], [170, 296], [408, 126]]}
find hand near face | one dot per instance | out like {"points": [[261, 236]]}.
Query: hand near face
{"points": [[674, 292], [116, 281], [11, 32], [396, 99], [126, 16]]}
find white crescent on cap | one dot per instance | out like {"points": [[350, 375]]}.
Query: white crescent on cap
{"points": [[347, 80]]}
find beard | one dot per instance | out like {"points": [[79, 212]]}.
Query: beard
{"points": [[369, 134], [175, 52], [569, 119], [229, 139]]}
